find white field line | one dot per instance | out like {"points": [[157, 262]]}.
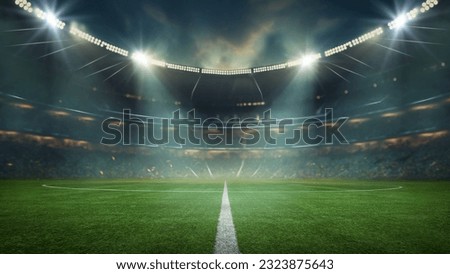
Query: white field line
{"points": [[217, 191], [130, 190], [226, 241], [325, 191]]}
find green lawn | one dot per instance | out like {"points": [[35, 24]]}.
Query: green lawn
{"points": [[34, 219], [283, 217], [178, 216]]}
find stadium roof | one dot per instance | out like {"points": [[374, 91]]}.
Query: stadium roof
{"points": [[212, 87], [407, 14]]}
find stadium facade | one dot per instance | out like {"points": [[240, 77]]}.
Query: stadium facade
{"points": [[390, 85]]}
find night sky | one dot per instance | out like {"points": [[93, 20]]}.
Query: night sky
{"points": [[226, 33]]}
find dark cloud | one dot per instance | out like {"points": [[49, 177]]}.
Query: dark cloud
{"points": [[156, 14]]}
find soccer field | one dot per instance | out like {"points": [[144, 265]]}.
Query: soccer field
{"points": [[181, 216]]}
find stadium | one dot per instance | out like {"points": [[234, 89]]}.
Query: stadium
{"points": [[264, 138]]}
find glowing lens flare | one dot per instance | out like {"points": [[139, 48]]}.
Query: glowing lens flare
{"points": [[401, 21], [51, 20], [309, 60], [140, 58]]}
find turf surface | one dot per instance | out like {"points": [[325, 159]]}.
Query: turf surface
{"points": [[335, 217], [34, 219], [179, 216]]}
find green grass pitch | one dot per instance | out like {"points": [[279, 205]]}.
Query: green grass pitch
{"points": [[180, 216]]}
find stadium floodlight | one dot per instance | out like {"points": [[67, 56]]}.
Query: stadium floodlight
{"points": [[399, 22], [51, 19], [309, 60], [140, 58]]}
